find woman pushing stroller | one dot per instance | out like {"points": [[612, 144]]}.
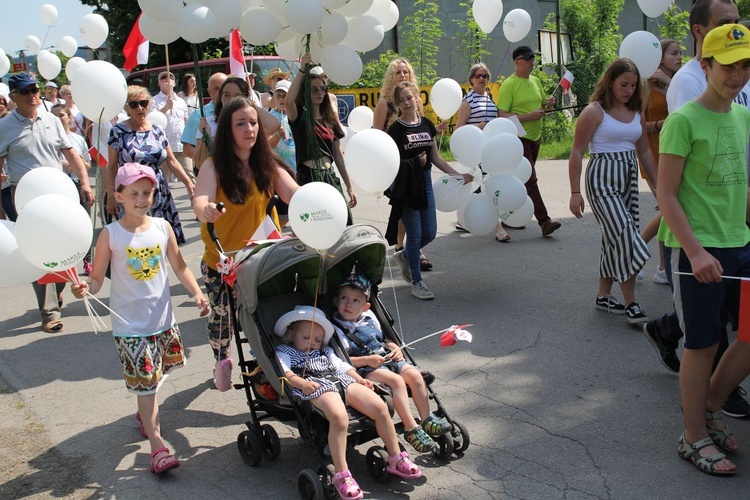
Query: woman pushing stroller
{"points": [[316, 373]]}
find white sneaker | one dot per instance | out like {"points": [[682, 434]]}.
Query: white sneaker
{"points": [[660, 277], [641, 274], [421, 291], [403, 265]]}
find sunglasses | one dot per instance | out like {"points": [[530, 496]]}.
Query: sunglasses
{"points": [[134, 104], [27, 91], [323, 88], [526, 58], [481, 75]]}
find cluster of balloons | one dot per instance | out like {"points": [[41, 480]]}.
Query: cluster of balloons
{"points": [[338, 29], [53, 232], [499, 151], [487, 13]]}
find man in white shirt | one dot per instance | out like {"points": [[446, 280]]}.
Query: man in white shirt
{"points": [[176, 111]]}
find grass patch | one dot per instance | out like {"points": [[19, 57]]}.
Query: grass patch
{"points": [[559, 150]]}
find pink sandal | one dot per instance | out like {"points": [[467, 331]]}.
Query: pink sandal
{"points": [[346, 486], [162, 461], [401, 466], [143, 429]]}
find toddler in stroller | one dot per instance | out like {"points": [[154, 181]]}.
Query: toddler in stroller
{"points": [[319, 376], [360, 334]]}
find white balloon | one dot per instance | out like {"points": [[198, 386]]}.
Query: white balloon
{"points": [[228, 14], [505, 192], [249, 4], [334, 4], [53, 217], [32, 44], [365, 33], [342, 64], [158, 32], [499, 125], [516, 25], [304, 16], [156, 117], [315, 47], [520, 217], [446, 97], [72, 65], [450, 193], [384, 11], [4, 65], [43, 180], [163, 11], [654, 8], [94, 30], [334, 28], [276, 7], [15, 270], [99, 90], [522, 171], [466, 145], [501, 153], [318, 213], [644, 49], [48, 13], [259, 27], [355, 8], [68, 46], [49, 65], [480, 216], [286, 50], [487, 13], [196, 23], [475, 172], [287, 34], [348, 134], [372, 160], [360, 118]]}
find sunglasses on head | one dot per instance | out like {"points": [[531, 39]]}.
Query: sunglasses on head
{"points": [[481, 75], [27, 91], [323, 88], [135, 104]]}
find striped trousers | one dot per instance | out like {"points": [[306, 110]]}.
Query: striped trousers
{"points": [[612, 190]]}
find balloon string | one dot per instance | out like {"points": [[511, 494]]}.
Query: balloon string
{"points": [[107, 308], [96, 321], [502, 61]]}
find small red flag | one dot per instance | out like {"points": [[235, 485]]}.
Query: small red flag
{"points": [[447, 339], [236, 57], [454, 334], [743, 332], [135, 49], [566, 81], [98, 157]]}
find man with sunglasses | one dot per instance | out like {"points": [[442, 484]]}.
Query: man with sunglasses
{"points": [[522, 95], [30, 139], [176, 111]]}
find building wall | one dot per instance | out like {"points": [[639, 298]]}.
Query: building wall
{"points": [[450, 63]]}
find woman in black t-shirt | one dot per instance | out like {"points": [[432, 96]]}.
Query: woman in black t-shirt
{"points": [[412, 198]]}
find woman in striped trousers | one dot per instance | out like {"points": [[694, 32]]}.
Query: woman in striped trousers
{"points": [[613, 130]]}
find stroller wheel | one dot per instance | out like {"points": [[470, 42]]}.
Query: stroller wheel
{"points": [[377, 460], [309, 485], [250, 448], [444, 446], [269, 438], [460, 436]]}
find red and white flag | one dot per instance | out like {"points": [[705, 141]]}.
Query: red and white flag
{"points": [[266, 231], [743, 332], [566, 81], [98, 157], [236, 57], [135, 49]]}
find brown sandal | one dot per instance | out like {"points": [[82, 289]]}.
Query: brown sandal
{"points": [[54, 326]]}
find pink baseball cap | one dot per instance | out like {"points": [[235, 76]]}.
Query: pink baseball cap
{"points": [[131, 172]]}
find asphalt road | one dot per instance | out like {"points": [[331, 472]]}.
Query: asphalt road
{"points": [[562, 401]]}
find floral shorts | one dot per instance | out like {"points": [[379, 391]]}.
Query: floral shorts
{"points": [[146, 361]]}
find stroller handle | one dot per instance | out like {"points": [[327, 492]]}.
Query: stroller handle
{"points": [[212, 231]]}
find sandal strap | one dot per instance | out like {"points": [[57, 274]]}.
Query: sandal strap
{"points": [[402, 463], [714, 415], [346, 485]]}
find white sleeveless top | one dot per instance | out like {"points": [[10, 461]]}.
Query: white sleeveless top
{"points": [[613, 136], [140, 283]]}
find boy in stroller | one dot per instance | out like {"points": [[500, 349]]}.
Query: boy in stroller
{"points": [[360, 334], [316, 374]]}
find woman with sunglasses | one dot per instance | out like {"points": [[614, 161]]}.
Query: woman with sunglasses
{"points": [[138, 140], [328, 132]]}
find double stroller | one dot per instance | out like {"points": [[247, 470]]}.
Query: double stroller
{"points": [[273, 278]]}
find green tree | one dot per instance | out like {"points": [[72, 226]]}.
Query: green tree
{"points": [[676, 25], [373, 71], [421, 32], [471, 39], [744, 7]]}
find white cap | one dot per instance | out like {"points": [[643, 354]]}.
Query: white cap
{"points": [[317, 71], [282, 85]]}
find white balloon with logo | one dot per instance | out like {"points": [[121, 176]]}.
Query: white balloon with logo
{"points": [[317, 214], [644, 49], [516, 25], [521, 216], [505, 192], [450, 193]]}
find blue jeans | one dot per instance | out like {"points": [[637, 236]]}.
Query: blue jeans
{"points": [[421, 228]]}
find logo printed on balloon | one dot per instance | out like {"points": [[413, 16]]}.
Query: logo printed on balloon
{"points": [[304, 217]]}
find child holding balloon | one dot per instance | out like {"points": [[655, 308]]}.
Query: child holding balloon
{"points": [[147, 337]]}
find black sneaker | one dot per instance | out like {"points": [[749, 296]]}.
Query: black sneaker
{"points": [[736, 405], [667, 353], [609, 304], [634, 314]]}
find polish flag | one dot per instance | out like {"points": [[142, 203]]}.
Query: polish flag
{"points": [[743, 332], [267, 230], [236, 57], [135, 49], [98, 157], [566, 81]]}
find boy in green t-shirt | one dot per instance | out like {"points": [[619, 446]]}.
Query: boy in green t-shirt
{"points": [[703, 196]]}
